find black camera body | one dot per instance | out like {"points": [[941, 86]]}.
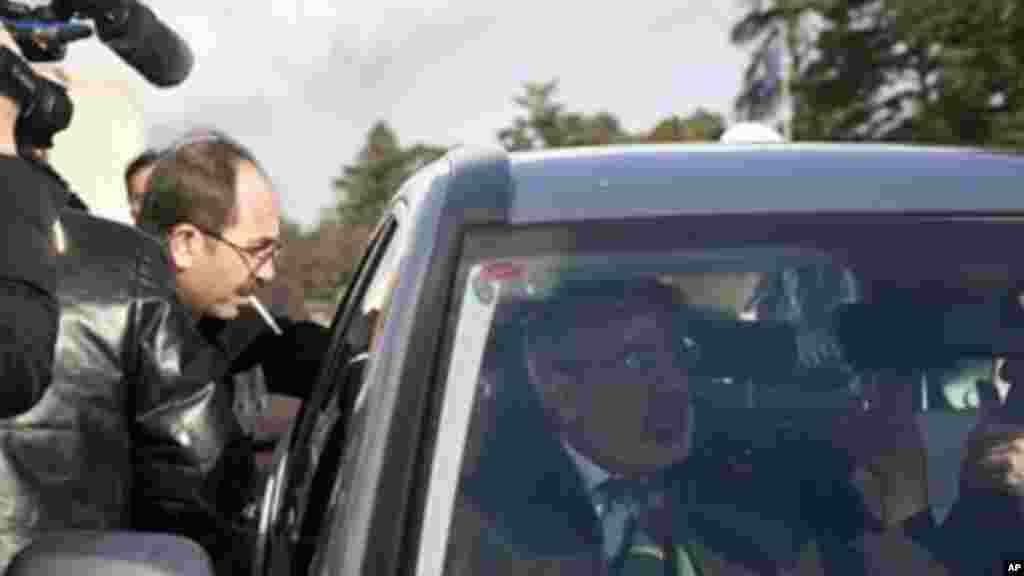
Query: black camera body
{"points": [[128, 27], [44, 108], [42, 34]]}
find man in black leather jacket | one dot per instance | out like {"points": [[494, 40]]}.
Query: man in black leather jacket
{"points": [[216, 212], [133, 423]]}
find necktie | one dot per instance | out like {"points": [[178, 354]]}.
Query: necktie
{"points": [[617, 511], [637, 532]]}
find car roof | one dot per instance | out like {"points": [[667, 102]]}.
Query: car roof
{"points": [[491, 186], [622, 182]]}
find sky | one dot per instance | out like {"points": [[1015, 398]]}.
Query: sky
{"points": [[300, 82]]}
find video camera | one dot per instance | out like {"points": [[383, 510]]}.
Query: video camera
{"points": [[43, 32]]}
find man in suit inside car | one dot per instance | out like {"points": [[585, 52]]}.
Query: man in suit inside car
{"points": [[616, 464]]}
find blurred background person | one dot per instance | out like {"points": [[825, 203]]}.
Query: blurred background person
{"points": [[136, 175]]}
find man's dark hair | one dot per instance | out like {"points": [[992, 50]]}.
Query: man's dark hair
{"points": [[548, 322], [148, 157], [194, 181]]}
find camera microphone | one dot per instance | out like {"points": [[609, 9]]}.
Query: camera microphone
{"points": [[128, 27], [146, 44], [150, 46]]}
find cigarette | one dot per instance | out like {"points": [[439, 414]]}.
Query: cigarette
{"points": [[255, 303]]}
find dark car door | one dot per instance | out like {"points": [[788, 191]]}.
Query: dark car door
{"points": [[299, 486], [348, 492]]}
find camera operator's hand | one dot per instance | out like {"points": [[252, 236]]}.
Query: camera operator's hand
{"points": [[7, 41]]}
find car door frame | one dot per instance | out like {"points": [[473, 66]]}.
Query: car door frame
{"points": [[279, 515], [383, 516]]}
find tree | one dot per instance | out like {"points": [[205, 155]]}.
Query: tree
{"points": [[844, 89], [318, 263], [367, 185], [379, 170], [699, 126], [420, 155], [975, 92], [600, 129], [326, 257], [544, 123], [775, 28], [931, 71], [288, 287]]}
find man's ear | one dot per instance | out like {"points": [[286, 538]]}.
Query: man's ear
{"points": [[184, 242]]}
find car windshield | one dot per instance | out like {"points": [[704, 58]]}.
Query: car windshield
{"points": [[771, 396]]}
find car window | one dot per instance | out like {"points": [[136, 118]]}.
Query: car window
{"points": [[341, 424], [799, 395], [308, 472]]}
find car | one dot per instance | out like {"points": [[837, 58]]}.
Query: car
{"points": [[796, 357], [419, 452]]}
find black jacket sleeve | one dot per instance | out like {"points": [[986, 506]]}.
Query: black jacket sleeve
{"points": [[28, 277], [194, 468], [28, 334], [290, 361]]}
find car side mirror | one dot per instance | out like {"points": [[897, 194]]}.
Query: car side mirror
{"points": [[111, 554]]}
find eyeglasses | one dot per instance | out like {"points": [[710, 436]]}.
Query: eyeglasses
{"points": [[257, 255]]}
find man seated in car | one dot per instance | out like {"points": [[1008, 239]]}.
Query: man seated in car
{"points": [[612, 364], [983, 528], [901, 449]]}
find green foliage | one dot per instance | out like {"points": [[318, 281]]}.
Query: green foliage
{"points": [[365, 186], [544, 123], [925, 71], [699, 126], [765, 24], [320, 262]]}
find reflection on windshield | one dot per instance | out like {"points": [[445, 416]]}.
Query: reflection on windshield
{"points": [[697, 413]]}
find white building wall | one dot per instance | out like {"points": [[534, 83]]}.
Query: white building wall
{"points": [[107, 130]]}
